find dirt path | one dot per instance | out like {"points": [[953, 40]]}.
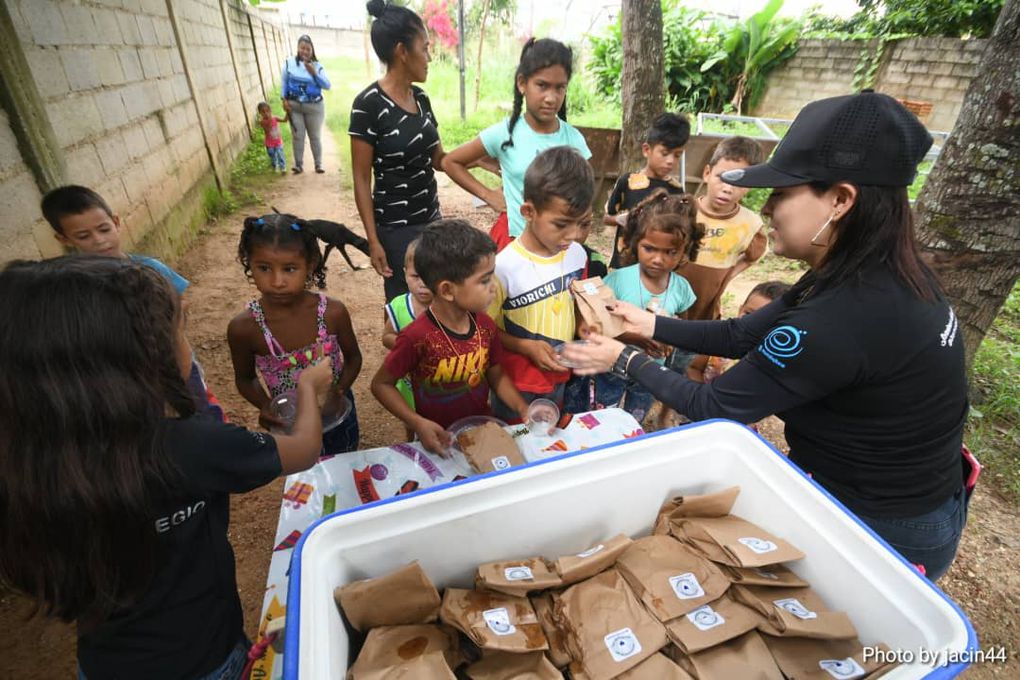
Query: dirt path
{"points": [[985, 579]]}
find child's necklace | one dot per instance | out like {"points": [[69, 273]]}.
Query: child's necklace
{"points": [[475, 374], [654, 303]]}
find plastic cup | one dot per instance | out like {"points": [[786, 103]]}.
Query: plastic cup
{"points": [[558, 350], [542, 417]]}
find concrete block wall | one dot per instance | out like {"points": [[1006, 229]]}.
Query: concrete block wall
{"points": [[934, 70], [113, 85]]}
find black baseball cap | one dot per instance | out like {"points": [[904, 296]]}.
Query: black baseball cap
{"points": [[867, 138]]}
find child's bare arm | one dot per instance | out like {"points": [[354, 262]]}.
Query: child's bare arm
{"points": [[540, 353], [433, 436], [696, 369], [503, 386], [456, 164], [338, 322], [241, 339], [389, 333]]}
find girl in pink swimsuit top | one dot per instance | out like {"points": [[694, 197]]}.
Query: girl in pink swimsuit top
{"points": [[282, 259]]}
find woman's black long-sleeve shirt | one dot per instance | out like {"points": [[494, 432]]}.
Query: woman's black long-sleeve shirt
{"points": [[869, 379]]}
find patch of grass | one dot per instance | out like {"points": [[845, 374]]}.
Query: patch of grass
{"points": [[250, 172], [993, 431]]}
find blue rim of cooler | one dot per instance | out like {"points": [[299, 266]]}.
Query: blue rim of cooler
{"points": [[293, 607]]}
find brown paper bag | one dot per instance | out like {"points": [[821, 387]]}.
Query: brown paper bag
{"points": [[775, 575], [506, 666], [607, 631], [733, 541], [717, 504], [390, 650], [745, 657], [655, 667], [493, 620], [805, 659], [669, 578], [544, 605], [517, 577], [711, 624], [592, 297], [425, 667], [576, 568], [489, 447], [794, 612], [403, 596]]}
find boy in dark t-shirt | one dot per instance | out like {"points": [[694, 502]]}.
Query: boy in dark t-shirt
{"points": [[664, 142], [452, 352]]}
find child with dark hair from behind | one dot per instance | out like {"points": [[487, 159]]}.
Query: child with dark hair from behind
{"points": [[273, 140], [280, 334], [83, 221], [452, 351], [533, 307], [664, 144]]}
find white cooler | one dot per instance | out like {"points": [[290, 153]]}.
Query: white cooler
{"points": [[566, 504]]}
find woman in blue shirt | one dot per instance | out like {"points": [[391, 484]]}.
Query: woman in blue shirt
{"points": [[303, 81]]}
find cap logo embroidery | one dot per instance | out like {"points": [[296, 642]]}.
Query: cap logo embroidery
{"points": [[733, 175]]}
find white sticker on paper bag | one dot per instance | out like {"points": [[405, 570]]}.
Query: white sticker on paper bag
{"points": [[498, 621], [705, 618], [766, 574], [591, 551], [758, 545], [622, 644], [686, 586], [500, 462], [793, 605], [590, 288], [521, 573], [844, 669]]}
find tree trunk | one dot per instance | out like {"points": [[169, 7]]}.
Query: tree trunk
{"points": [[642, 77], [481, 44], [969, 209]]}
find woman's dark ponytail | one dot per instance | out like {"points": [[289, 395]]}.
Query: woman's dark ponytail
{"points": [[535, 56], [392, 25]]}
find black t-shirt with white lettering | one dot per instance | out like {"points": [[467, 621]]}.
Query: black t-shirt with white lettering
{"points": [[405, 141], [868, 377], [190, 619]]}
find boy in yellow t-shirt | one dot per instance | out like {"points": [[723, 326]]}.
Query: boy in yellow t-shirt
{"points": [[734, 237]]}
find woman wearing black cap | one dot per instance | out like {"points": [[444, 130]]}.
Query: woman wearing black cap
{"points": [[862, 359], [395, 143], [302, 84]]}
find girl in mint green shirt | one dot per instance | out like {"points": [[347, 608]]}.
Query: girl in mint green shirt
{"points": [[537, 123]]}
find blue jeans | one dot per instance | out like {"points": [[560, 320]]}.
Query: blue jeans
{"points": [[276, 157], [610, 392], [230, 669], [930, 539], [345, 436]]}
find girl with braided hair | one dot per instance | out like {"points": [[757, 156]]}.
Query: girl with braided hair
{"points": [[279, 334], [538, 122], [114, 493]]}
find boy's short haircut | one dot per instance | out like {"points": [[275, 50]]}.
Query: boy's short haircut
{"points": [[737, 149], [770, 289], [263, 105], [72, 199], [560, 172], [412, 248], [671, 130], [450, 250]]}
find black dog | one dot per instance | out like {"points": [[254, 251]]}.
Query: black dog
{"points": [[336, 235]]}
